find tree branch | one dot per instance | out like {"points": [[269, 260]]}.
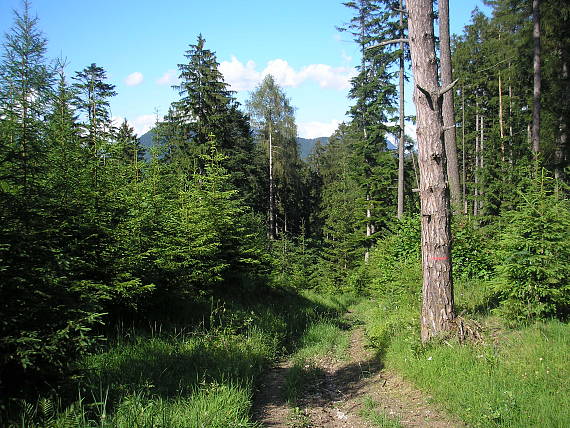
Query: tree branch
{"points": [[388, 42], [448, 87]]}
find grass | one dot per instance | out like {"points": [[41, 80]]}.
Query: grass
{"points": [[379, 418], [173, 376], [514, 378]]}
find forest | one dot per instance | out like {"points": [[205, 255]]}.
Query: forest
{"points": [[163, 286]]}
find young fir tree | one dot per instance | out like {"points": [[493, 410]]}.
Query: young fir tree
{"points": [[44, 317], [207, 109], [93, 94], [128, 148], [342, 217]]}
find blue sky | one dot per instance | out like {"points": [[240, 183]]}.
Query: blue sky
{"points": [[140, 43]]}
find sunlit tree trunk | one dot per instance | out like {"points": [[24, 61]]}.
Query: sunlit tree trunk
{"points": [[272, 232], [448, 116], [437, 292], [401, 140], [537, 78]]}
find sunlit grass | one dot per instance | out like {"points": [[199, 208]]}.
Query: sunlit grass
{"points": [[513, 378]]}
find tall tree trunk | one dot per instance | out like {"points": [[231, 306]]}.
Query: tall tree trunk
{"points": [[369, 225], [537, 78], [476, 172], [481, 164], [448, 116], [561, 140], [501, 126], [401, 140], [272, 232], [511, 155], [437, 291], [463, 174]]}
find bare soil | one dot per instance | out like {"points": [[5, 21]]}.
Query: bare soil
{"points": [[336, 399]]}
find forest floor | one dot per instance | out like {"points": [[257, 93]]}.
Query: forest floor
{"points": [[352, 391]]}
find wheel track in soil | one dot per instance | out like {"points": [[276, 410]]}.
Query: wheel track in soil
{"points": [[336, 398]]}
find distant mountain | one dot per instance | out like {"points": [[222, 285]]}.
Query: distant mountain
{"points": [[146, 141], [306, 145]]}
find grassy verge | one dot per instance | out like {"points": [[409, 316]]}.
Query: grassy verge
{"points": [[171, 376], [514, 378]]}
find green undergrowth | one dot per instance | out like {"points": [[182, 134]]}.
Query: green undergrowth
{"points": [[170, 376], [514, 377]]}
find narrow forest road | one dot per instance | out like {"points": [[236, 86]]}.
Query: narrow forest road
{"points": [[342, 394]]}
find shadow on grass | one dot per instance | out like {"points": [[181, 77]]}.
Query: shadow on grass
{"points": [[237, 339], [313, 386]]}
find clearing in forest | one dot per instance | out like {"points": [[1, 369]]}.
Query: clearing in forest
{"points": [[353, 391]]}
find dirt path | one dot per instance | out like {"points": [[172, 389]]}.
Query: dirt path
{"points": [[337, 399]]}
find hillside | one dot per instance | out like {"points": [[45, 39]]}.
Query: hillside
{"points": [[305, 144]]}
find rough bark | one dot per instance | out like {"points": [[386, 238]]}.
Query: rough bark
{"points": [[537, 78], [437, 306], [448, 116]]}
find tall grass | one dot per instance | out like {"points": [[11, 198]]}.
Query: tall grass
{"points": [[176, 376]]}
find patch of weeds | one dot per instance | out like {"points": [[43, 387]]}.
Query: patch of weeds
{"points": [[299, 418], [376, 416]]}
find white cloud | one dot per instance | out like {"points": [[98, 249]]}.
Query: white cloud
{"points": [[134, 79], [141, 124], [327, 76], [168, 78], [317, 129], [242, 76], [283, 73]]}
